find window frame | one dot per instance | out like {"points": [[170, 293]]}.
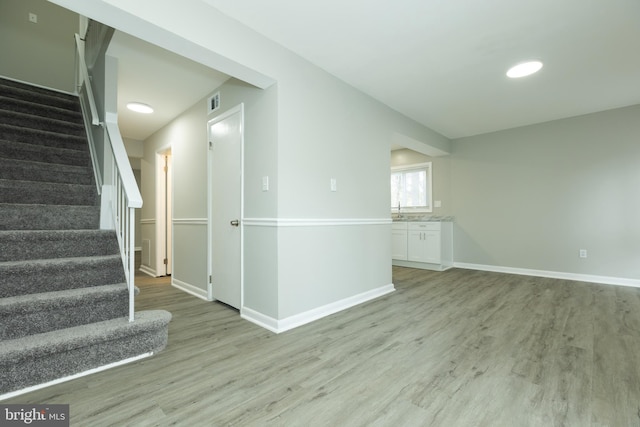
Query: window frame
{"points": [[428, 168]]}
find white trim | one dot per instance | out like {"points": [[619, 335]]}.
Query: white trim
{"points": [[309, 316], [147, 270], [190, 221], [420, 265], [620, 281], [260, 319], [313, 222], [148, 221], [190, 289], [74, 376], [106, 215]]}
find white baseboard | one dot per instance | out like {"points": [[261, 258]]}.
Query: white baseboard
{"points": [[620, 281], [147, 270], [190, 289], [294, 321], [74, 376], [260, 319]]}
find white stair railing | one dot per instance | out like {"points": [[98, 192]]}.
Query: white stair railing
{"points": [[124, 199], [119, 189]]}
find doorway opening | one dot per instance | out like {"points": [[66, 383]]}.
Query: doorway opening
{"points": [[164, 212]]}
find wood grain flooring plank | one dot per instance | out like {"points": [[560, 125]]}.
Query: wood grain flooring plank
{"points": [[455, 348]]}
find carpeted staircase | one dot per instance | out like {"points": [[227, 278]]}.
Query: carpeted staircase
{"points": [[63, 296]]}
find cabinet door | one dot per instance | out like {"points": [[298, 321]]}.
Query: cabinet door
{"points": [[416, 243], [399, 244], [432, 246]]}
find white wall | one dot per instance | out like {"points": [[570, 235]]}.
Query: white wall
{"points": [[42, 53], [531, 197], [324, 126]]}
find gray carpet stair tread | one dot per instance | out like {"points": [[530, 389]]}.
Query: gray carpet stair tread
{"points": [[33, 346], [22, 245], [43, 153], [45, 138], [43, 95], [27, 170], [42, 123], [16, 216], [37, 313], [51, 193], [37, 109], [36, 276]]}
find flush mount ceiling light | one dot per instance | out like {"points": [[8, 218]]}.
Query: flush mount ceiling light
{"points": [[524, 69], [139, 107]]}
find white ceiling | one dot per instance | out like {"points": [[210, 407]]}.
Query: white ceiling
{"points": [[443, 62], [439, 62], [154, 76]]}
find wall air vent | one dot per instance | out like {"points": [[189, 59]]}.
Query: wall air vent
{"points": [[214, 102]]}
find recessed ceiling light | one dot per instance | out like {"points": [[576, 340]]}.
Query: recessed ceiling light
{"points": [[139, 107], [524, 69]]}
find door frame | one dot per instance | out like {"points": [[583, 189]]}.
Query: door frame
{"points": [[164, 237], [237, 109]]}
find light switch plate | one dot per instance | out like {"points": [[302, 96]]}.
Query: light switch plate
{"points": [[437, 203], [334, 184], [265, 183]]}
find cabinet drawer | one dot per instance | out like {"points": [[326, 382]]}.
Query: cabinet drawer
{"points": [[400, 225], [424, 226]]}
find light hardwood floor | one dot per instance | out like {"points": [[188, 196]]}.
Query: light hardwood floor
{"points": [[459, 348]]}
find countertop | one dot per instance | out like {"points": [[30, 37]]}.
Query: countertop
{"points": [[422, 218]]}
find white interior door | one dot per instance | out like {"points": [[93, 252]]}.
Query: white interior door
{"points": [[225, 211]]}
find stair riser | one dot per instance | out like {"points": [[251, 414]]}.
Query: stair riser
{"points": [[46, 193], [35, 122], [42, 154], [42, 138], [43, 217], [44, 172], [17, 324], [45, 111], [32, 277], [41, 97], [30, 245]]}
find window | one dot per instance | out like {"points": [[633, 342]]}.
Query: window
{"points": [[411, 188]]}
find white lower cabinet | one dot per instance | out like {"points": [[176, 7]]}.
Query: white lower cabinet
{"points": [[425, 245], [423, 242], [399, 240]]}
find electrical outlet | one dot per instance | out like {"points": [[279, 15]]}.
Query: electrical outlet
{"points": [[33, 18], [583, 253]]}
